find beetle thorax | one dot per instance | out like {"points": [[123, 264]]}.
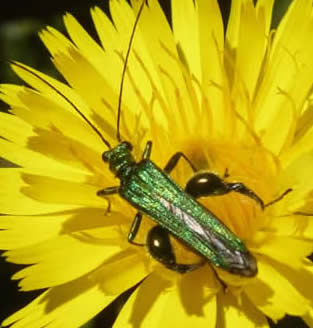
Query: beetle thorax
{"points": [[120, 158]]}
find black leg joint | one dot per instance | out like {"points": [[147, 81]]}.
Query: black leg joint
{"points": [[173, 161], [108, 191], [134, 229]]}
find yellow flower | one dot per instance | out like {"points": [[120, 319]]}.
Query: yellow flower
{"points": [[240, 104]]}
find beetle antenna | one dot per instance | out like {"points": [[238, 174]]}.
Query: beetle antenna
{"points": [[118, 136], [81, 114]]}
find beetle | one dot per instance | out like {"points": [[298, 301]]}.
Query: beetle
{"points": [[154, 193]]}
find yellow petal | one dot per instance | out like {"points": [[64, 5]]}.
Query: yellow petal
{"points": [[121, 272], [264, 8], [63, 258], [14, 129], [297, 226], [303, 141], [56, 118], [287, 250], [186, 33], [283, 91], [12, 195], [99, 59], [65, 97], [146, 72], [297, 175], [161, 52], [300, 278], [67, 151], [50, 127], [23, 231], [105, 29], [273, 294], [55, 41], [50, 190], [137, 93], [94, 90], [233, 23], [82, 39], [211, 38], [292, 49], [234, 313], [9, 94], [69, 305], [185, 21], [36, 162], [155, 303], [251, 45]]}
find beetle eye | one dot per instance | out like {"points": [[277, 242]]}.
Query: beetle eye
{"points": [[128, 145], [159, 245], [105, 156]]}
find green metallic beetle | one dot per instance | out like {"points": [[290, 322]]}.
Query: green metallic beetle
{"points": [[152, 191]]}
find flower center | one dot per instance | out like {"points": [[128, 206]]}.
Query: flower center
{"points": [[250, 166]]}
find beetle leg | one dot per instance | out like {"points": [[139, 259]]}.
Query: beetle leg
{"points": [[108, 191], [105, 192], [174, 160], [134, 229], [147, 152], [184, 268], [209, 184], [242, 189], [223, 284], [226, 173], [108, 209], [160, 248], [279, 197]]}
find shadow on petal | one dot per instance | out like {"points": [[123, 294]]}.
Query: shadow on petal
{"points": [[202, 285], [148, 293]]}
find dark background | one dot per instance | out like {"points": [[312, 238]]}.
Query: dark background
{"points": [[20, 22]]}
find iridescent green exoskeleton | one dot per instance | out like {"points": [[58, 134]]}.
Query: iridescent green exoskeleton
{"points": [[152, 191]]}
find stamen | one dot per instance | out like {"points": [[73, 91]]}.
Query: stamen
{"points": [[181, 107], [156, 92], [207, 119], [183, 117], [156, 95], [290, 137], [302, 213], [290, 99], [188, 78]]}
